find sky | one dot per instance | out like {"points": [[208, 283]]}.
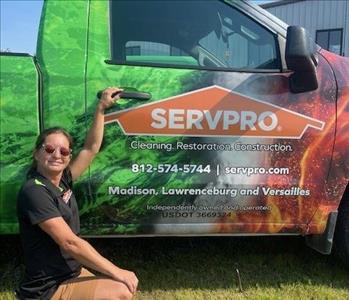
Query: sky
{"points": [[19, 23]]}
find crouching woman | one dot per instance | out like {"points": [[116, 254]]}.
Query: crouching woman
{"points": [[54, 254]]}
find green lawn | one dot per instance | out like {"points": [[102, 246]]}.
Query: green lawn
{"points": [[206, 268]]}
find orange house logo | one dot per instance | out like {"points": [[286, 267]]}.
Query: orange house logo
{"points": [[213, 111]]}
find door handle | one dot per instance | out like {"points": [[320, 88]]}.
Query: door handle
{"points": [[129, 95]]}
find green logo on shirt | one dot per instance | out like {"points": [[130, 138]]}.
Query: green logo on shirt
{"points": [[38, 182]]}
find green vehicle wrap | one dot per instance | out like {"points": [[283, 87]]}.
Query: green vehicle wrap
{"points": [[71, 52], [19, 123], [178, 176]]}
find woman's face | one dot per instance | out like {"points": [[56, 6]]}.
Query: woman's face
{"points": [[52, 157]]}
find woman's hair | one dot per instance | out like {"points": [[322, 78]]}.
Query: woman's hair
{"points": [[41, 140]]}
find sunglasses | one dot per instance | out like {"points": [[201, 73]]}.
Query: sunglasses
{"points": [[50, 149]]}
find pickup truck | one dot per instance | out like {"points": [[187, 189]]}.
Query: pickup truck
{"points": [[232, 122]]}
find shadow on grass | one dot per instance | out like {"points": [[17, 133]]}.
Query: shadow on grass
{"points": [[205, 262]]}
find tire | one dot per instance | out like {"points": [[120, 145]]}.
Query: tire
{"points": [[342, 229]]}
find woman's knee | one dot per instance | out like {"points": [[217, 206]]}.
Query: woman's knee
{"points": [[123, 293], [112, 290]]}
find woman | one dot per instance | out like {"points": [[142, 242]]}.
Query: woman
{"points": [[49, 222]]}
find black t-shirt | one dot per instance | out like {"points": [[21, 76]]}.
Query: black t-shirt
{"points": [[46, 264]]}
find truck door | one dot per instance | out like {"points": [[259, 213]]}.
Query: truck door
{"points": [[222, 145]]}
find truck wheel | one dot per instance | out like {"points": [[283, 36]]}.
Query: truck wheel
{"points": [[342, 229]]}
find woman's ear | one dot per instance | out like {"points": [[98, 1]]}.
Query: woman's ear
{"points": [[35, 154]]}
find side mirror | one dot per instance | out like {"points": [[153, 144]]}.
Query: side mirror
{"points": [[301, 58]]}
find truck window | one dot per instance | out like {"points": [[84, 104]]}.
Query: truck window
{"points": [[195, 34]]}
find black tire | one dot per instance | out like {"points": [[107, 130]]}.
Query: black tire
{"points": [[342, 229]]}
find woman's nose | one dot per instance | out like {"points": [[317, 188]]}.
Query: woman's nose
{"points": [[57, 153]]}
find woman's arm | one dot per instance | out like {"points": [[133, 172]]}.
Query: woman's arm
{"points": [[84, 253], [94, 137]]}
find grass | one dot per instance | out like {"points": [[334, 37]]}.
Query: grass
{"points": [[206, 268]]}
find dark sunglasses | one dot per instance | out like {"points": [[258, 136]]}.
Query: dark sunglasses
{"points": [[50, 149]]}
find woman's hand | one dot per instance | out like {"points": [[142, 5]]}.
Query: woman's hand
{"points": [[107, 99], [128, 278]]}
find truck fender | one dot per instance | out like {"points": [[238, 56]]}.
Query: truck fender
{"points": [[323, 242]]}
